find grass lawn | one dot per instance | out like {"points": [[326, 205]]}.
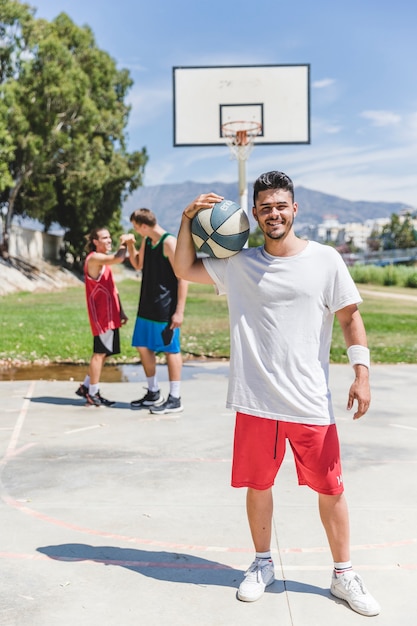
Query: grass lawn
{"points": [[391, 326], [53, 327]]}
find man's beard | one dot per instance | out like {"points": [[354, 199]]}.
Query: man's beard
{"points": [[281, 235]]}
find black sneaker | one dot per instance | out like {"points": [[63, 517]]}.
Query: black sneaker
{"points": [[149, 399], [98, 400], [104, 401], [82, 391], [172, 405], [92, 400]]}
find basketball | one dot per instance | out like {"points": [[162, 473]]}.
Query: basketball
{"points": [[221, 231]]}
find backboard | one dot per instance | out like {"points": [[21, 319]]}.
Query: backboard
{"points": [[275, 96]]}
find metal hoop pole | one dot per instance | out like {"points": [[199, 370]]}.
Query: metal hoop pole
{"points": [[240, 137], [243, 188]]}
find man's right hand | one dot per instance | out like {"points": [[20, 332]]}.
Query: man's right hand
{"points": [[126, 238], [203, 201]]}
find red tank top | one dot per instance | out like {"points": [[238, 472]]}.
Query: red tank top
{"points": [[102, 300]]}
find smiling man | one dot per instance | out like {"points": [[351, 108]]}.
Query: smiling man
{"points": [[282, 299], [105, 312]]}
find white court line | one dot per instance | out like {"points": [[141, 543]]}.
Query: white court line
{"points": [[11, 448], [80, 430], [20, 420], [404, 427]]}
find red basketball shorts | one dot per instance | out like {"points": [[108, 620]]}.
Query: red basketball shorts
{"points": [[259, 449]]}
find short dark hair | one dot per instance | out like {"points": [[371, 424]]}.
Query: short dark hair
{"points": [[272, 180], [143, 216]]}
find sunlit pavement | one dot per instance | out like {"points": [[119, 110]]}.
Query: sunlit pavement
{"points": [[117, 517]]}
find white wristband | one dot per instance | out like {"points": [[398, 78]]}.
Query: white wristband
{"points": [[359, 355]]}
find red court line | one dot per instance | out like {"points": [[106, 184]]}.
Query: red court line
{"points": [[12, 451], [121, 562], [195, 566], [169, 544]]}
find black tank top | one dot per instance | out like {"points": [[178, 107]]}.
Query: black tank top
{"points": [[159, 291]]}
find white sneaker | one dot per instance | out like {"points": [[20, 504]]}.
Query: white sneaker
{"points": [[259, 575], [350, 587]]}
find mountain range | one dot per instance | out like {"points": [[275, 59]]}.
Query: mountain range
{"points": [[168, 202]]}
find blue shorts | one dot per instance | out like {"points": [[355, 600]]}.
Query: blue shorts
{"points": [[148, 334]]}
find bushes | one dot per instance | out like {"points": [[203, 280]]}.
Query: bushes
{"points": [[398, 275], [411, 279]]}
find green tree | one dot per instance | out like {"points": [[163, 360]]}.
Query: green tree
{"points": [[374, 242], [12, 14], [256, 238], [399, 233], [65, 110]]}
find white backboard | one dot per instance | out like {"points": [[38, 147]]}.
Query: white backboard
{"points": [[275, 96]]}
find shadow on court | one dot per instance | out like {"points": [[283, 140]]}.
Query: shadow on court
{"points": [[169, 566]]}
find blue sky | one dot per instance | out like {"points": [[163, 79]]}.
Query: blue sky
{"points": [[362, 56]]}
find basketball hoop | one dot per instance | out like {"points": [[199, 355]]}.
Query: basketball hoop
{"points": [[240, 137]]}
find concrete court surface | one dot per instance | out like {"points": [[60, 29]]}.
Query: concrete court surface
{"points": [[117, 517]]}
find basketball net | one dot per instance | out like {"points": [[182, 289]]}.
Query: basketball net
{"points": [[240, 137]]}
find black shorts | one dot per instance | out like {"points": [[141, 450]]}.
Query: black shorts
{"points": [[107, 343]]}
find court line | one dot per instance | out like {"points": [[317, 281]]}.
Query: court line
{"points": [[12, 451], [11, 448], [195, 566], [404, 427], [21, 418], [183, 546], [80, 430]]}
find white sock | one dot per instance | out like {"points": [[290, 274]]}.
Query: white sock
{"points": [[152, 383], [93, 389], [175, 388], [342, 568], [263, 555], [86, 382]]}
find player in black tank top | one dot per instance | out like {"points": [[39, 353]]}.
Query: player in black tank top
{"points": [[159, 292], [160, 311]]}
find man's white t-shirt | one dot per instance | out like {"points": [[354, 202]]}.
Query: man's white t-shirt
{"points": [[281, 318]]}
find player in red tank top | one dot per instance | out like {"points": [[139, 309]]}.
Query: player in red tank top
{"points": [[104, 310]]}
